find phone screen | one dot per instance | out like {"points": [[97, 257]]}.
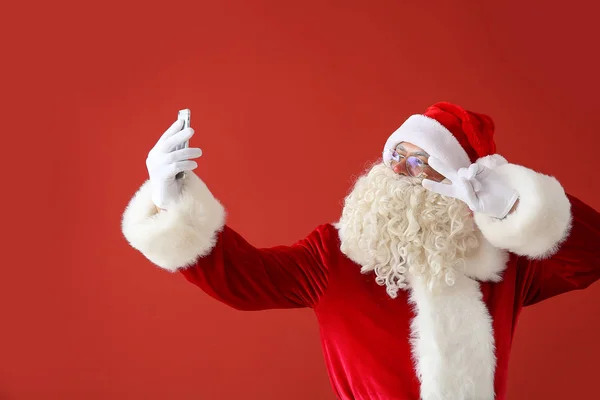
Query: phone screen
{"points": [[185, 116]]}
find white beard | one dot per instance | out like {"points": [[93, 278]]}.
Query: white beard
{"points": [[393, 226]]}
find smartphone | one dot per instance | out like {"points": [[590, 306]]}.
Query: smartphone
{"points": [[185, 116]]}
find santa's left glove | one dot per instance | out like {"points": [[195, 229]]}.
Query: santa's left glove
{"points": [[479, 186]]}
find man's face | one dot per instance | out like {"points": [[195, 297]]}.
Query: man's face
{"points": [[411, 160]]}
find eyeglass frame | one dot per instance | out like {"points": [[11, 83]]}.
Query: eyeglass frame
{"points": [[396, 157]]}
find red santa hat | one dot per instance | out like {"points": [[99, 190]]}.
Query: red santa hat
{"points": [[448, 132]]}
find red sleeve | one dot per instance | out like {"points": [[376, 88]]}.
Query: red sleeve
{"points": [[248, 278], [192, 238], [576, 264]]}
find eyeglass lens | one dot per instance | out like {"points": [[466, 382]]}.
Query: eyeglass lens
{"points": [[414, 166]]}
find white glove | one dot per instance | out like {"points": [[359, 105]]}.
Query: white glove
{"points": [[479, 186], [164, 162]]}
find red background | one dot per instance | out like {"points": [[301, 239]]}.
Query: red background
{"points": [[290, 100]]}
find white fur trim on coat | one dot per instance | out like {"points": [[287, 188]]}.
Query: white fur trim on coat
{"points": [[452, 336], [488, 263], [541, 221], [431, 136], [452, 341], [175, 238]]}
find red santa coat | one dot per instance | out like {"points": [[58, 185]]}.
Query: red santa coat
{"points": [[548, 246]]}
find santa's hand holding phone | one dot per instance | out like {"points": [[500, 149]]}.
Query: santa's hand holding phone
{"points": [[165, 161]]}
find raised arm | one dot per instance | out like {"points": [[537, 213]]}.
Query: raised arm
{"points": [[180, 226], [555, 236]]}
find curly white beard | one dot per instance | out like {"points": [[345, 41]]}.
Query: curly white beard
{"points": [[391, 225]]}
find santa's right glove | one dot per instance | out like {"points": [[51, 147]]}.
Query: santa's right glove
{"points": [[479, 186], [164, 162]]}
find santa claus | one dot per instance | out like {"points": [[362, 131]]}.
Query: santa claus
{"points": [[418, 287]]}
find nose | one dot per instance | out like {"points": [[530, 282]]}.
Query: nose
{"points": [[399, 167]]}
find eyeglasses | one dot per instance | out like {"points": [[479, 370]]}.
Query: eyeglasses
{"points": [[415, 167]]}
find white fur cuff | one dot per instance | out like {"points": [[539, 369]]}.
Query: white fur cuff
{"points": [[175, 238], [541, 221]]}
